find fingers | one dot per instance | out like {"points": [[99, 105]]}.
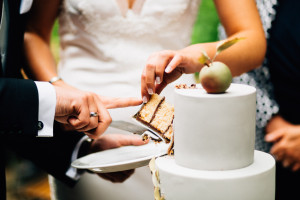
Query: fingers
{"points": [[84, 122], [287, 163], [159, 88], [277, 151], [290, 163], [81, 115], [111, 141], [80, 119], [153, 73], [287, 160], [135, 140], [296, 167], [114, 102], [176, 61], [277, 122], [150, 78], [93, 120], [93, 108], [74, 106], [275, 135], [104, 120], [144, 88]]}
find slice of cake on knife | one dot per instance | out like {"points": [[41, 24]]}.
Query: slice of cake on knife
{"points": [[158, 115]]}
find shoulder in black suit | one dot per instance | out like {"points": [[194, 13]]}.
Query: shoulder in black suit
{"points": [[19, 98]]}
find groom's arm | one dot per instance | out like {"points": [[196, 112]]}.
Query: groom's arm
{"points": [[18, 107], [54, 155], [26, 110]]}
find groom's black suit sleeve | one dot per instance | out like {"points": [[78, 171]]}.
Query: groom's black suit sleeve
{"points": [[50, 154], [18, 107], [19, 113], [18, 129]]}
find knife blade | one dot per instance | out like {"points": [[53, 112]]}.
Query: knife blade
{"points": [[133, 128]]}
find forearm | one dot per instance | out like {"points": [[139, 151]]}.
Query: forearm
{"points": [[51, 154], [240, 58], [37, 37], [43, 66], [240, 20]]}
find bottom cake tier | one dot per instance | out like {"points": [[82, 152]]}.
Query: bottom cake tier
{"points": [[255, 182]]}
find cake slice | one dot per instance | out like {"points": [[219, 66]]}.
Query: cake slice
{"points": [[148, 110], [163, 118], [158, 115]]}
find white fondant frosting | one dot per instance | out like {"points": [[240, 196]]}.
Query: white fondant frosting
{"points": [[256, 181], [215, 131], [214, 149]]}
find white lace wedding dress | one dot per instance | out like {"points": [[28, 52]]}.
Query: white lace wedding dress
{"points": [[104, 47]]}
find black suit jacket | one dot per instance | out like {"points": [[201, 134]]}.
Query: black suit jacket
{"points": [[19, 111]]}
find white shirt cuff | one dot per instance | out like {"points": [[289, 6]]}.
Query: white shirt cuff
{"points": [[72, 171], [25, 6], [47, 104]]}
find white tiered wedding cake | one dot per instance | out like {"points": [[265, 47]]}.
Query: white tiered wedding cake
{"points": [[214, 157]]}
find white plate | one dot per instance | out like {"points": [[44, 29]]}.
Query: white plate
{"points": [[123, 158]]}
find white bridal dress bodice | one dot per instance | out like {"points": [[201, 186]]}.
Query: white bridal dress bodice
{"points": [[104, 47]]}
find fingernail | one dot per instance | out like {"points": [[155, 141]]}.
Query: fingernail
{"points": [[145, 100], [150, 91], [168, 69], [157, 80]]}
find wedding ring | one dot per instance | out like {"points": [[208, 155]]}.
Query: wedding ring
{"points": [[93, 114]]}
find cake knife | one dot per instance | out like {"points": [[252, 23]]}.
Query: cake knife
{"points": [[133, 128]]}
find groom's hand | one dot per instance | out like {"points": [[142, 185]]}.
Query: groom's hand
{"points": [[110, 141], [86, 111]]}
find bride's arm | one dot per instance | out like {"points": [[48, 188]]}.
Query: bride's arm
{"points": [[240, 19], [41, 62]]}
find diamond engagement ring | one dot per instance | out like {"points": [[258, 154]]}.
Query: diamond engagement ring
{"points": [[93, 114]]}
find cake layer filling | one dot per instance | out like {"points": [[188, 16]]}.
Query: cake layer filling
{"points": [[163, 117], [158, 115], [147, 112]]}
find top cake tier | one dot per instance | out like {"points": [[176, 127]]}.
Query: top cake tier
{"points": [[215, 131]]}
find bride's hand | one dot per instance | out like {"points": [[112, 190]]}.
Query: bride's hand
{"points": [[163, 68]]}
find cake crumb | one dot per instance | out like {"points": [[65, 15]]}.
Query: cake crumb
{"points": [[185, 86], [145, 137]]}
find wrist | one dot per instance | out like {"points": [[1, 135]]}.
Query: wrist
{"points": [[60, 83], [54, 79]]}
